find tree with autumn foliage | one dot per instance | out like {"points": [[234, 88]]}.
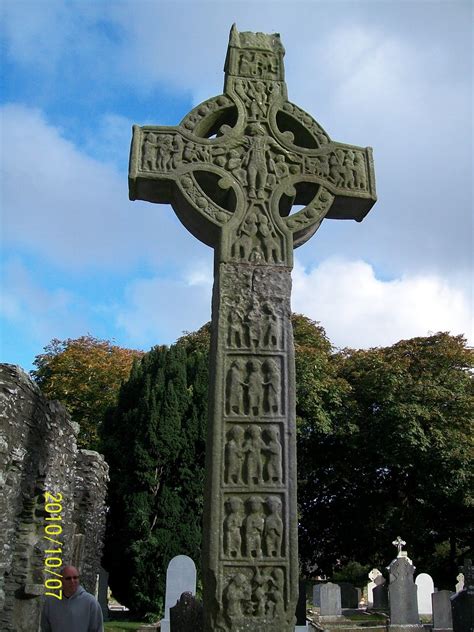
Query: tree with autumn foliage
{"points": [[85, 375]]}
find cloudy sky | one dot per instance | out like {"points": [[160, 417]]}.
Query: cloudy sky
{"points": [[78, 257]]}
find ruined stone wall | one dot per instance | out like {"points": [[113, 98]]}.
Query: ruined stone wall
{"points": [[89, 514], [38, 453]]}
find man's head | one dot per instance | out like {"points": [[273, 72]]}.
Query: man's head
{"points": [[70, 576]]}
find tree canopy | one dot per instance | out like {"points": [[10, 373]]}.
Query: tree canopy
{"points": [[85, 375], [385, 448], [398, 458], [154, 444]]}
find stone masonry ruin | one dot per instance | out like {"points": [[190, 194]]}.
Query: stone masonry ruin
{"points": [[38, 453]]}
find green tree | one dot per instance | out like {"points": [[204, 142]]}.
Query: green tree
{"points": [[154, 444], [85, 375], [400, 460]]}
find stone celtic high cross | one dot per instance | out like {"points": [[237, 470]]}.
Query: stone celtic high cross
{"points": [[232, 170]]}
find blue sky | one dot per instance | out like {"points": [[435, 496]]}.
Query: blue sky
{"points": [[78, 257]]}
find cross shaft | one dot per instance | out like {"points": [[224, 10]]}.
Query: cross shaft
{"points": [[232, 170]]}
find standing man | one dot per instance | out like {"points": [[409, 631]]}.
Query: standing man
{"points": [[77, 611]]}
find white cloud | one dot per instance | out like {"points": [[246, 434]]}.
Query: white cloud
{"points": [[73, 210], [359, 310], [43, 314], [158, 310]]}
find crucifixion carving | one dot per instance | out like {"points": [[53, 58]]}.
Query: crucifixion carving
{"points": [[233, 169]]}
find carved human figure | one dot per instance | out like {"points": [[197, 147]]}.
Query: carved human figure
{"points": [[235, 333], [177, 149], [245, 66], [273, 531], [282, 170], [253, 525], [234, 165], [270, 246], [236, 595], [246, 236], [258, 100], [254, 388], [271, 333], [336, 170], [254, 325], [149, 152], [252, 448], [259, 593], [349, 169], [273, 451], [255, 160], [235, 384], [165, 146], [276, 606], [359, 171], [272, 385], [232, 527], [234, 455]]}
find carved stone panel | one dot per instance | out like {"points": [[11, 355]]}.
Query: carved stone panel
{"points": [[253, 526]]}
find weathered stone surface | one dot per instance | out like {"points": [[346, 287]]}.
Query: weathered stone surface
{"points": [[90, 487], [38, 453], [317, 595], [442, 612], [402, 593], [232, 170], [349, 595], [186, 615], [380, 596], [330, 600]]}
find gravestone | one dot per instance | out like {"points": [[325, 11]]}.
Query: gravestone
{"points": [[402, 590], [349, 595], [463, 602], [380, 594], [442, 614], [317, 595], [232, 171], [376, 579], [186, 615], [180, 578], [330, 600], [425, 586]]}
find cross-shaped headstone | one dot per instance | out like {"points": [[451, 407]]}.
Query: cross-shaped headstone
{"points": [[399, 543], [232, 170]]}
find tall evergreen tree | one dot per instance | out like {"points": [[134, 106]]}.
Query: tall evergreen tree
{"points": [[154, 443]]}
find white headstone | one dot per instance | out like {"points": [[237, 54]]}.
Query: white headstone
{"points": [[180, 578], [460, 584], [376, 578], [425, 590]]}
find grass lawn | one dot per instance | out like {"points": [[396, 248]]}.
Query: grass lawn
{"points": [[119, 626]]}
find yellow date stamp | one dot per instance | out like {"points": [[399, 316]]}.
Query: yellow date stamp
{"points": [[53, 554]]}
